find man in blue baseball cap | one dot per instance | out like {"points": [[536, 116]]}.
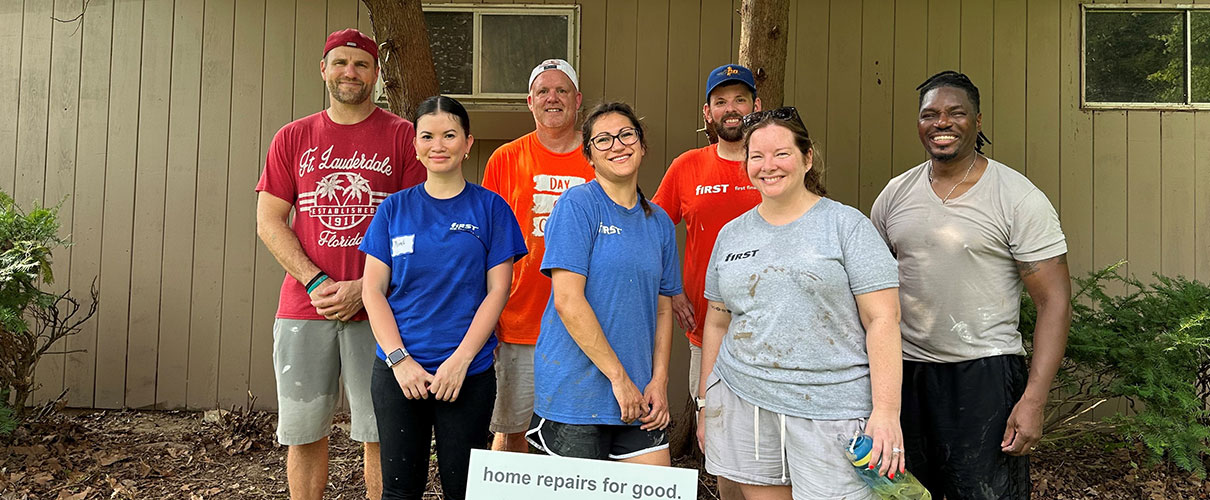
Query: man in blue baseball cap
{"points": [[707, 187]]}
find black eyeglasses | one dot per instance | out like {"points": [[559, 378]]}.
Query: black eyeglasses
{"points": [[604, 140], [786, 113]]}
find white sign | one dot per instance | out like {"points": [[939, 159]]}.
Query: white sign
{"points": [[495, 475]]}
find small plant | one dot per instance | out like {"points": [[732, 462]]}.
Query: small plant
{"points": [[31, 320], [1149, 344]]}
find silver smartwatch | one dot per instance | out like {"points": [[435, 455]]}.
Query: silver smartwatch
{"points": [[396, 356]]}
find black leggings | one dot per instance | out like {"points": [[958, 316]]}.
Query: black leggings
{"points": [[405, 427]]}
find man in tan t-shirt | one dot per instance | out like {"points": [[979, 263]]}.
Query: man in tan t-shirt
{"points": [[969, 233]]}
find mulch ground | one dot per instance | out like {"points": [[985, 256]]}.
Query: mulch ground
{"points": [[192, 455]]}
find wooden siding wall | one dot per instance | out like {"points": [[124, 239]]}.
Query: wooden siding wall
{"points": [[149, 121]]}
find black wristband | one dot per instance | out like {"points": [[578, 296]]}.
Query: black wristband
{"points": [[313, 280]]}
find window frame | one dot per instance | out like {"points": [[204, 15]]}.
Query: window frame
{"points": [[478, 11], [1184, 8]]}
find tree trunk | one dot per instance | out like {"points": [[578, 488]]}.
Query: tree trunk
{"points": [[403, 42], [762, 47]]}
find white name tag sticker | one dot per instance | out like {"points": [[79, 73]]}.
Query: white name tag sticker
{"points": [[402, 245], [496, 474]]}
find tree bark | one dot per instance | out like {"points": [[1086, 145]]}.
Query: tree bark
{"points": [[762, 47], [403, 42]]}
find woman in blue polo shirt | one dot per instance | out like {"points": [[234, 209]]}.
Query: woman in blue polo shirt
{"points": [[601, 362], [438, 270]]}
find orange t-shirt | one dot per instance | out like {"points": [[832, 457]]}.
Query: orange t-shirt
{"points": [[530, 178], [708, 192]]}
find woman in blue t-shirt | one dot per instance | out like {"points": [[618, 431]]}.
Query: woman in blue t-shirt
{"points": [[439, 264], [601, 361]]}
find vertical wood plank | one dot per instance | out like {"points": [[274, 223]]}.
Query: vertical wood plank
{"points": [[1008, 108], [33, 103], [944, 31], [978, 25], [591, 69], [621, 33], [112, 314], [841, 159], [1177, 191], [1143, 193], [685, 87], [810, 80], [12, 18], [150, 173], [911, 69], [235, 346], [715, 38], [310, 95], [60, 153], [1042, 98], [363, 19], [274, 112], [89, 192], [877, 99], [650, 88], [1109, 201], [1201, 197], [342, 14], [179, 206], [210, 218], [1076, 186]]}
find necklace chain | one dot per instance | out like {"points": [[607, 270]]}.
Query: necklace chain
{"points": [[964, 176]]}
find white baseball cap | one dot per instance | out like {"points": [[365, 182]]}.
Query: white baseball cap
{"points": [[554, 64]]}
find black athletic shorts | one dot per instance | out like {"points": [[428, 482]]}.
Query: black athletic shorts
{"points": [[954, 415], [599, 442]]}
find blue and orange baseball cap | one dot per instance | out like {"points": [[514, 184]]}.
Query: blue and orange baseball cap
{"points": [[730, 73]]}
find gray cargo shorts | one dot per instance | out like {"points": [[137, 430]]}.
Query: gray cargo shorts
{"points": [[310, 357]]}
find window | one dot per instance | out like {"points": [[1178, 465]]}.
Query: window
{"points": [[485, 53], [1143, 56]]}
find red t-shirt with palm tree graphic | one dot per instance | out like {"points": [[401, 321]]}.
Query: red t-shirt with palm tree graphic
{"points": [[335, 176]]}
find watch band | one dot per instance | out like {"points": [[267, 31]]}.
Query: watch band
{"points": [[701, 402]]}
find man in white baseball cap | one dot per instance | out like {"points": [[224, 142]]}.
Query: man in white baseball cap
{"points": [[530, 173]]}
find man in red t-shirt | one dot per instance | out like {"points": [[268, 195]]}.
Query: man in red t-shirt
{"points": [[530, 173], [708, 187], [332, 169]]}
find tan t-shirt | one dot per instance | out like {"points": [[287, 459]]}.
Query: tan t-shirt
{"points": [[959, 288]]}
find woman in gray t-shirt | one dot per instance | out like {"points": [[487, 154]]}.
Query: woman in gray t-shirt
{"points": [[802, 331]]}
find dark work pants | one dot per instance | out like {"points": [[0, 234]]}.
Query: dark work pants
{"points": [[954, 415], [405, 427]]}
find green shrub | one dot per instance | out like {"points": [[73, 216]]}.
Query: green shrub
{"points": [[1149, 344]]}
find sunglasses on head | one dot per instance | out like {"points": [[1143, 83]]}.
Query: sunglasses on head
{"points": [[785, 113]]}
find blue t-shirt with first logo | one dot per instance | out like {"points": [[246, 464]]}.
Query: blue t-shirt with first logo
{"points": [[439, 252], [628, 259]]}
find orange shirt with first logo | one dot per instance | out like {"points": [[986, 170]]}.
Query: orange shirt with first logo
{"points": [[708, 192], [530, 178]]}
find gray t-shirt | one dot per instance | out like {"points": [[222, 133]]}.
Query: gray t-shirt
{"points": [[959, 285], [795, 344]]}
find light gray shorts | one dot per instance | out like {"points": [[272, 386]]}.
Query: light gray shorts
{"points": [[757, 446], [514, 388], [309, 359]]}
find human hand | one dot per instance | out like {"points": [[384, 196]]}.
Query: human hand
{"points": [[887, 452], [412, 378], [448, 382], [682, 307], [1024, 428], [630, 400], [655, 396], [337, 300], [701, 430]]}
